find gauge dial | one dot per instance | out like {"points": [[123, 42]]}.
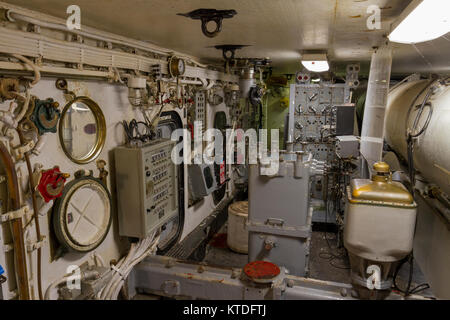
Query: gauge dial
{"points": [[177, 67]]}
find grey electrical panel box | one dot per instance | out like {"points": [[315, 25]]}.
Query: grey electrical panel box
{"points": [[147, 183], [202, 180], [347, 147]]}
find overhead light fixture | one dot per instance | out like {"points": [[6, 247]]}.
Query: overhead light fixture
{"points": [[422, 20], [315, 62]]}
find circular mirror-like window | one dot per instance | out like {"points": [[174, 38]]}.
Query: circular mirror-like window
{"points": [[82, 130]]}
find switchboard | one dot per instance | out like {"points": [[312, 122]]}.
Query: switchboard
{"points": [[319, 112], [146, 187]]}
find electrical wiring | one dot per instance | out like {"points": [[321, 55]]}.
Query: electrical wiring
{"points": [[8, 117], [13, 124], [330, 255], [118, 286], [36, 218], [138, 251], [53, 285], [408, 290], [410, 140], [133, 132], [98, 260], [37, 73], [125, 268], [25, 106], [116, 269]]}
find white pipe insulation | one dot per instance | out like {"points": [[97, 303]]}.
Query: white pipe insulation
{"points": [[372, 133]]}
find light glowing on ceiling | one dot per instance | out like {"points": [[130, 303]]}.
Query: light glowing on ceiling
{"points": [[315, 62], [422, 20]]}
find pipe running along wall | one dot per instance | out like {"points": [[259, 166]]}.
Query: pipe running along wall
{"points": [[16, 225]]}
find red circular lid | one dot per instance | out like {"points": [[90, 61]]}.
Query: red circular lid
{"points": [[261, 270]]}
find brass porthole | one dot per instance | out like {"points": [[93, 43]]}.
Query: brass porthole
{"points": [[82, 216], [82, 130]]}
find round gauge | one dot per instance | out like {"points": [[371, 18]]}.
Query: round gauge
{"points": [[177, 67], [82, 216]]}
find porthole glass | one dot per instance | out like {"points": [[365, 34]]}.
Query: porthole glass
{"points": [[82, 130]]}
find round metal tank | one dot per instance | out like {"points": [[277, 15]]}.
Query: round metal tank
{"points": [[237, 238], [432, 148]]}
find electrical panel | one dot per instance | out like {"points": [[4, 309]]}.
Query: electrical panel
{"points": [[319, 112], [347, 147], [147, 183], [203, 180], [200, 107]]}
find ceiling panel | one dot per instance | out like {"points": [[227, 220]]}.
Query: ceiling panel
{"points": [[278, 29]]}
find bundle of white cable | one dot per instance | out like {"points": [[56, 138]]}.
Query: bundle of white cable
{"points": [[137, 253], [8, 117]]}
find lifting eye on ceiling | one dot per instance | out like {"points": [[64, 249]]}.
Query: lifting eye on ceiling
{"points": [[229, 50], [210, 15]]}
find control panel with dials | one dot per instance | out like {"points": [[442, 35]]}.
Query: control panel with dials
{"points": [[318, 113], [146, 180]]}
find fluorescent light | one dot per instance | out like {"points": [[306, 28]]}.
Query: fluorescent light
{"points": [[422, 20], [315, 62]]}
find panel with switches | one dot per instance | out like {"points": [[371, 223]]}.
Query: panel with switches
{"points": [[318, 113], [146, 187]]}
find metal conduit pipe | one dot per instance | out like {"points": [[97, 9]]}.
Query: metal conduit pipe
{"points": [[16, 225], [36, 217]]}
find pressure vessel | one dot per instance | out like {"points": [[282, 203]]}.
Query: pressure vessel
{"points": [[432, 146]]}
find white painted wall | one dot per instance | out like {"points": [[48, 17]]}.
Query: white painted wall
{"points": [[113, 100]]}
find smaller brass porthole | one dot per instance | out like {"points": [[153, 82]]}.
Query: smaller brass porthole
{"points": [[82, 130]]}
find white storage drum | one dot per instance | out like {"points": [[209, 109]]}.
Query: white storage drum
{"points": [[237, 238]]}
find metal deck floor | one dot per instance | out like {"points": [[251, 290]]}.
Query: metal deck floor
{"points": [[326, 262], [322, 264]]}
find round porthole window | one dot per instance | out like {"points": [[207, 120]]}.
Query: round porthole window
{"points": [[82, 215], [82, 130]]}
